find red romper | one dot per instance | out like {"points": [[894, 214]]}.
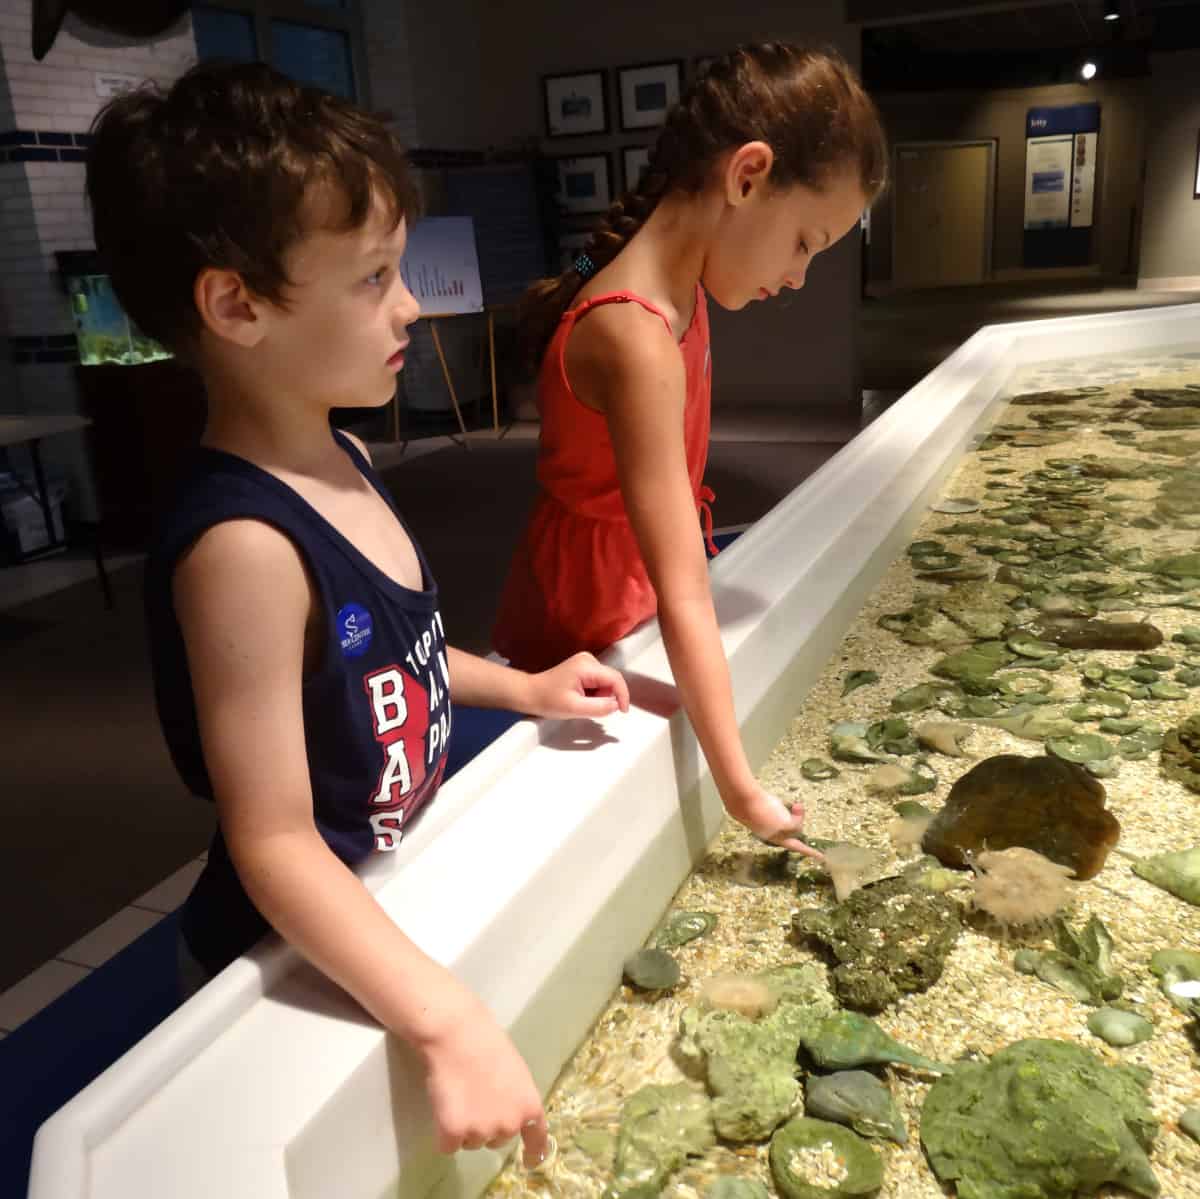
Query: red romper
{"points": [[577, 581]]}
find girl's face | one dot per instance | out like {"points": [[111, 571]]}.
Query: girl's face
{"points": [[767, 237]]}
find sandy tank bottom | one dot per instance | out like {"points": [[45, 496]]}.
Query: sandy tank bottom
{"points": [[981, 1003]]}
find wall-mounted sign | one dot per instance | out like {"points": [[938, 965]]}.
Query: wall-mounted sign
{"points": [[1060, 166], [115, 83]]}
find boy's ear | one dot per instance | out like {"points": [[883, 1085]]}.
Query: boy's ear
{"points": [[227, 308], [747, 170]]}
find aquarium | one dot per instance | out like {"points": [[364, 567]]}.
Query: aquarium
{"points": [[619, 825], [105, 334], [1042, 629]]}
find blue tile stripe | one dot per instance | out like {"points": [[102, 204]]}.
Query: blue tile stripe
{"points": [[50, 349], [43, 145]]}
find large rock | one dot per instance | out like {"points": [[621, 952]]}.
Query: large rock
{"points": [[888, 939], [1181, 754], [661, 1126], [1045, 804], [750, 1065], [1041, 1120]]}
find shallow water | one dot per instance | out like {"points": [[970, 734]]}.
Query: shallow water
{"points": [[980, 1003]]}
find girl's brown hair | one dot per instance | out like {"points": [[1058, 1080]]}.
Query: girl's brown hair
{"points": [[807, 105]]}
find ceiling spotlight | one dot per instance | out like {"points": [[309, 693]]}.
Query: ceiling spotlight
{"points": [[1088, 70], [1112, 10]]}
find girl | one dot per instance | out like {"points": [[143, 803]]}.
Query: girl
{"points": [[768, 160]]}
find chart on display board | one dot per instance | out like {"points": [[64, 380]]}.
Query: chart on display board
{"points": [[441, 266]]}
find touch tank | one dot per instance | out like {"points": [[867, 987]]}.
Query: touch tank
{"points": [[994, 985], [872, 670]]}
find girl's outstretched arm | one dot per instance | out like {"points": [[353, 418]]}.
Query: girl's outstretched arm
{"points": [[623, 362]]}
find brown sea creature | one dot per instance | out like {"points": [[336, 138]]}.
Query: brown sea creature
{"points": [[887, 778], [1042, 803], [1018, 886], [1099, 634], [944, 736], [849, 866], [905, 832]]}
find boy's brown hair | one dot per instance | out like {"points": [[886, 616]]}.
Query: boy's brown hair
{"points": [[217, 171]]}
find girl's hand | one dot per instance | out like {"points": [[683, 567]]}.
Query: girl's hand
{"points": [[580, 686], [772, 821], [480, 1087]]}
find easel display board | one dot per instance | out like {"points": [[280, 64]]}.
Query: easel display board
{"points": [[441, 266]]}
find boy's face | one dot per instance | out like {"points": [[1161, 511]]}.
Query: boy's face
{"points": [[342, 335]]}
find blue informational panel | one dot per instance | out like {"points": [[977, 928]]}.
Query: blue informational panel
{"points": [[441, 266], [1067, 118], [1060, 173]]}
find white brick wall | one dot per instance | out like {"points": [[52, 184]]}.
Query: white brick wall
{"points": [[42, 204], [60, 91]]}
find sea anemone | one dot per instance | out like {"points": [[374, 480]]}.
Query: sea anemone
{"points": [[741, 993], [905, 832], [1018, 886], [850, 867]]}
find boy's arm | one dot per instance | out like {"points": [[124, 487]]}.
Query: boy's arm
{"points": [[580, 686], [243, 600], [626, 365]]}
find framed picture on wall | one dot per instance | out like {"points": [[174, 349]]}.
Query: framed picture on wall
{"points": [[584, 184], [575, 104], [1196, 187], [647, 92], [634, 160]]}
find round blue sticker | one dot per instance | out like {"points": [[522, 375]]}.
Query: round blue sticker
{"points": [[354, 629]]}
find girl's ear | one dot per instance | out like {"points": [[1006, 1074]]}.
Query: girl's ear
{"points": [[228, 309], [747, 170]]}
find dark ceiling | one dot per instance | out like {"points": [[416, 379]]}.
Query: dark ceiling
{"points": [[928, 44]]}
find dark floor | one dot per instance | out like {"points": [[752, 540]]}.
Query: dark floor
{"points": [[904, 335]]}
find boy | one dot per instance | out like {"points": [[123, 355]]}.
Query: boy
{"points": [[302, 676]]}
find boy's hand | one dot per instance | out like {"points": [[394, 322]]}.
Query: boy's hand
{"points": [[580, 686], [772, 821], [480, 1088]]}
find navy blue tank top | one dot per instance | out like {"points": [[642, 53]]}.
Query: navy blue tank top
{"points": [[376, 708]]}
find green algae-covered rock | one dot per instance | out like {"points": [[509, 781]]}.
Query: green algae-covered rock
{"points": [[1181, 754], [1178, 873], [973, 668], [1189, 1123], [887, 939], [1041, 1120], [651, 970], [681, 927], [737, 1188], [750, 1065], [597, 1143], [803, 1146], [1119, 1028], [858, 678], [1178, 966], [858, 1099], [660, 1128], [1081, 966]]}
